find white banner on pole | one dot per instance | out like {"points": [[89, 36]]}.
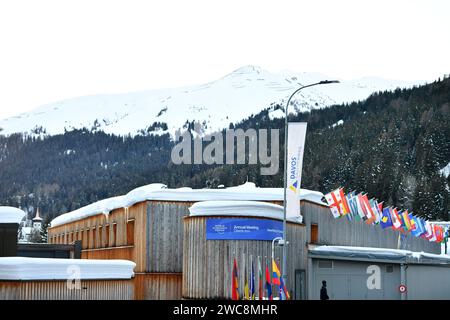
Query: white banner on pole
{"points": [[296, 146]]}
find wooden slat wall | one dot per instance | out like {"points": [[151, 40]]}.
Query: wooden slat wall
{"points": [[357, 233], [101, 242], [165, 236], [158, 286], [207, 265], [57, 290]]}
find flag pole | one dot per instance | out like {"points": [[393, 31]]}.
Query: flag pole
{"points": [[285, 164]]}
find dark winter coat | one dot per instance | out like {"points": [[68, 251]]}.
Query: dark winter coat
{"points": [[324, 293]]}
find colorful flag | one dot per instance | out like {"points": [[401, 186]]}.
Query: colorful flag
{"points": [[429, 230], [235, 282], [246, 291], [365, 204], [252, 283], [416, 226], [433, 230], [284, 293], [268, 285], [439, 232], [396, 221], [353, 206], [295, 148], [334, 203], [344, 204], [406, 220], [376, 210], [386, 221], [380, 206], [275, 274], [361, 212], [421, 226], [260, 291]]}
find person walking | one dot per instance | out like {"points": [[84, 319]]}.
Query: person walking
{"points": [[323, 291]]}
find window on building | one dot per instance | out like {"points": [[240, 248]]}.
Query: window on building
{"points": [[314, 234], [325, 264], [114, 235], [389, 269], [107, 236], [88, 238], [94, 238], [100, 237], [130, 232]]}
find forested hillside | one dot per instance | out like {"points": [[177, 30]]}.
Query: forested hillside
{"points": [[392, 146]]}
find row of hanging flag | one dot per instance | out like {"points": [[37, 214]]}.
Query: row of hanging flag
{"points": [[249, 286], [359, 207]]}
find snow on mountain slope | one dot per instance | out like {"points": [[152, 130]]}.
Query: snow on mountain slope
{"points": [[216, 104]]}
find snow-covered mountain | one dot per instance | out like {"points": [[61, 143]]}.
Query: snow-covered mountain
{"points": [[216, 104]]}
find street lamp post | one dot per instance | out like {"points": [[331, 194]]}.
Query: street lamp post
{"points": [[286, 160]]}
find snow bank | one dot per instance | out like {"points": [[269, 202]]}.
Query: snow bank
{"points": [[239, 208], [100, 207], [21, 268], [11, 215], [160, 192]]}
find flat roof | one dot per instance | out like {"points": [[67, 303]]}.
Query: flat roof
{"points": [[255, 209], [160, 192], [23, 268], [377, 254]]}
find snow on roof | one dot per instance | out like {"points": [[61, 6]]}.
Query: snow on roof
{"points": [[368, 253], [239, 208], [11, 215], [21, 268], [157, 191]]}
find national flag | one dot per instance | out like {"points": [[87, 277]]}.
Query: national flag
{"points": [[365, 204], [284, 293], [433, 230], [335, 203], [396, 220], [386, 221], [376, 210], [334, 206], [246, 291], [359, 204], [260, 288], [413, 221], [416, 225], [345, 207], [235, 282], [275, 274], [353, 206], [268, 284], [380, 206], [421, 226], [406, 220], [429, 228], [402, 229], [252, 283], [439, 231]]}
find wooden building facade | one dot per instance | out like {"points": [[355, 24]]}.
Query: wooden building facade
{"points": [[119, 289], [174, 260]]}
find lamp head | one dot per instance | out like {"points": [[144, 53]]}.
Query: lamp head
{"points": [[329, 81]]}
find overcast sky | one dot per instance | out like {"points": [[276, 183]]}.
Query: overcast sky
{"points": [[53, 50]]}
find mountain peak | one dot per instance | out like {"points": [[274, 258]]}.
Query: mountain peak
{"points": [[216, 104]]}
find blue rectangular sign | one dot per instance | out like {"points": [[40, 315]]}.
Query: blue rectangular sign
{"points": [[243, 229]]}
